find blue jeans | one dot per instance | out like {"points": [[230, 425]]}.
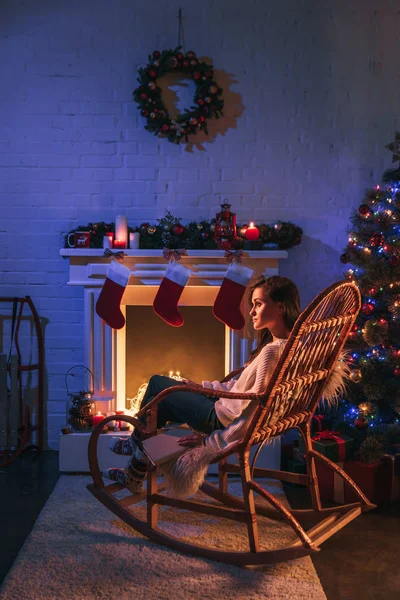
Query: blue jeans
{"points": [[196, 410]]}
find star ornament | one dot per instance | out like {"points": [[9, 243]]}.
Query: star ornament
{"points": [[395, 147]]}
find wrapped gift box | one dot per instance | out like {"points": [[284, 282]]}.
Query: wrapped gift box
{"points": [[332, 444], [321, 423], [375, 480]]}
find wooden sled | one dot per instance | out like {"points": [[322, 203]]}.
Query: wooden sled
{"points": [[289, 401]]}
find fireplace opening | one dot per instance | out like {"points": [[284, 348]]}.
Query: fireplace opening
{"points": [[196, 350]]}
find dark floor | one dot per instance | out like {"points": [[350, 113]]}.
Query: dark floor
{"points": [[359, 562]]}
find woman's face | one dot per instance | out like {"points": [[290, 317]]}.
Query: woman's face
{"points": [[264, 311]]}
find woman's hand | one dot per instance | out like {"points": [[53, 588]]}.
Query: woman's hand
{"points": [[191, 441], [189, 381]]}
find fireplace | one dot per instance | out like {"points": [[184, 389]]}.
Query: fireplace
{"points": [[145, 333]]}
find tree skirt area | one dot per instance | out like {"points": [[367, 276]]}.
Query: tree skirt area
{"points": [[78, 549]]}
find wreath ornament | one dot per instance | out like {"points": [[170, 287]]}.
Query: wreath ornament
{"points": [[207, 99]]}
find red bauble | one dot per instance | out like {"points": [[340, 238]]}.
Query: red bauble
{"points": [[364, 210], [396, 372], [367, 308], [165, 127], [178, 229], [200, 102], [361, 423], [152, 73], [345, 257], [394, 260], [197, 75], [156, 54], [377, 239], [143, 96]]}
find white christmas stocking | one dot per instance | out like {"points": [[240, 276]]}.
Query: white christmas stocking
{"points": [[227, 303], [165, 303], [108, 304]]}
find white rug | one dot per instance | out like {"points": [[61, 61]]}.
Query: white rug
{"points": [[79, 550]]}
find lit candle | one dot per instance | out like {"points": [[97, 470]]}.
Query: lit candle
{"points": [[119, 244], [97, 419], [121, 230], [134, 239], [252, 234]]}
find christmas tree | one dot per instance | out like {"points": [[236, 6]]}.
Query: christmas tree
{"points": [[373, 251]]}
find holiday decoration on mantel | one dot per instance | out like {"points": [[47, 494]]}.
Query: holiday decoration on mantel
{"points": [[374, 252], [207, 100], [170, 233]]}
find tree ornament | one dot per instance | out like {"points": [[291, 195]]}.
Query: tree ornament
{"points": [[144, 225], [151, 230], [364, 210], [361, 422], [356, 375], [395, 148], [377, 239], [396, 372], [192, 119], [345, 257], [367, 308], [394, 260]]}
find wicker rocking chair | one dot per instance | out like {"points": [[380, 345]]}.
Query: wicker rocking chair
{"points": [[289, 401]]}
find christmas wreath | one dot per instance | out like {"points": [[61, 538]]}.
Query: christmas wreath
{"points": [[207, 98]]}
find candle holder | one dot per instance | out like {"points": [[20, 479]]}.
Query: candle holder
{"points": [[225, 228], [80, 407]]}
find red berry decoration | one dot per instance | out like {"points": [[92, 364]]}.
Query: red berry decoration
{"points": [[361, 423], [396, 372], [345, 257], [377, 239], [364, 210], [191, 120], [178, 229], [394, 260], [367, 308]]}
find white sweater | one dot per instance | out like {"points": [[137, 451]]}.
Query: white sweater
{"points": [[235, 414]]}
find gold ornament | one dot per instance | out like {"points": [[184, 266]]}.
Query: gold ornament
{"points": [[356, 375], [207, 99], [213, 89], [151, 230]]}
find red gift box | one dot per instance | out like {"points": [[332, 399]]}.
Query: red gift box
{"points": [[330, 484], [374, 480]]}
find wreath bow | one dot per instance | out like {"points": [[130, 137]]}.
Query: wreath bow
{"points": [[171, 254], [234, 256]]}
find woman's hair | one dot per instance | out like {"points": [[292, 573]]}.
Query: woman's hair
{"points": [[279, 289]]}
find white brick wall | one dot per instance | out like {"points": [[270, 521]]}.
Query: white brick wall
{"points": [[312, 97]]}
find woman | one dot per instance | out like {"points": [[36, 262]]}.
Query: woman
{"points": [[274, 308]]}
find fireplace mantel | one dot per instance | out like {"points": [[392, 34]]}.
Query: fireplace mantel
{"points": [[105, 348]]}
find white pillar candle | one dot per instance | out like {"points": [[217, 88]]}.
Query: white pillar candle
{"points": [[134, 238], [121, 230], [106, 242]]}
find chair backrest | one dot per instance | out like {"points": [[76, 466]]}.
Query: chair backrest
{"points": [[307, 361]]}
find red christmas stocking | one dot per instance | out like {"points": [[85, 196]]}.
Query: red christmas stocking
{"points": [[108, 304], [227, 303], [165, 303]]}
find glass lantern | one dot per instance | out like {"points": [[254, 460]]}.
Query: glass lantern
{"points": [[225, 228], [80, 404]]}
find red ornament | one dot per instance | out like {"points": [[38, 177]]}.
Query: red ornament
{"points": [[364, 210], [377, 239], [197, 75], [200, 102], [396, 372], [156, 54], [165, 127], [152, 73], [367, 308], [345, 257], [186, 63], [143, 96], [178, 229], [394, 260], [202, 119], [361, 423]]}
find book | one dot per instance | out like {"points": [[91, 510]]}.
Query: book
{"points": [[162, 447]]}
